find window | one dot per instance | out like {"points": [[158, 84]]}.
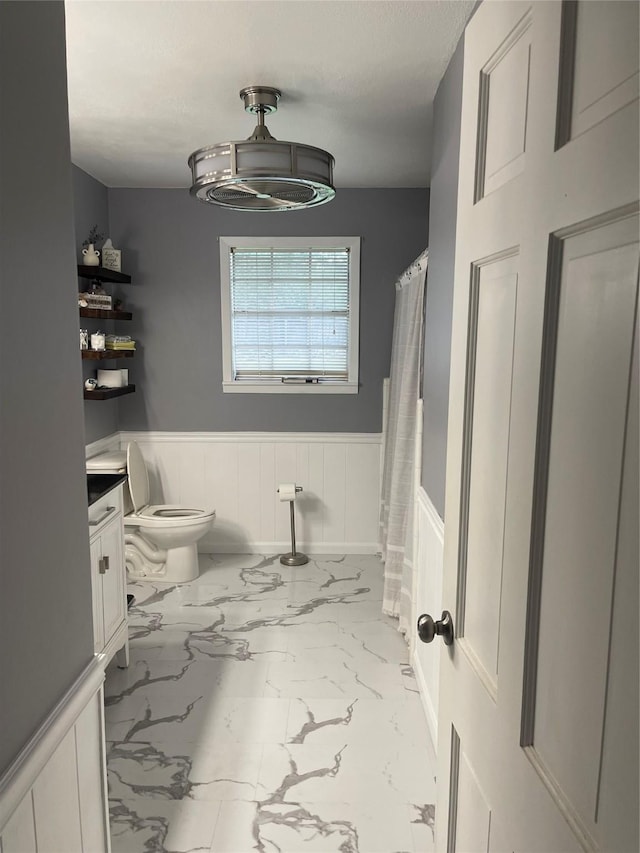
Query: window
{"points": [[290, 314]]}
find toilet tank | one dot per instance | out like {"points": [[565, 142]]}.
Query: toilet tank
{"points": [[111, 462]]}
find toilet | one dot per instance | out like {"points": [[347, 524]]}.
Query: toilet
{"points": [[160, 539]]}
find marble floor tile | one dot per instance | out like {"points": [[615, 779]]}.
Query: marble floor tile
{"points": [[136, 718], [176, 770], [219, 719], [236, 828], [144, 825], [330, 579], [396, 724], [258, 584], [409, 679], [198, 707], [374, 641], [142, 674], [194, 634], [232, 568], [302, 637], [422, 827], [268, 708], [359, 827], [354, 772], [246, 617], [188, 679], [340, 644], [202, 645], [322, 679], [153, 642], [309, 827]]}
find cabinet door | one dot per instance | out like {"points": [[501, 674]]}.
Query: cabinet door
{"points": [[96, 594], [113, 594]]}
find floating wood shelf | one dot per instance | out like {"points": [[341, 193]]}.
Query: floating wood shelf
{"points": [[108, 393], [103, 274], [98, 355], [103, 314]]}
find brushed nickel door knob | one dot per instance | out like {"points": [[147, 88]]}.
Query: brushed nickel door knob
{"points": [[428, 629]]}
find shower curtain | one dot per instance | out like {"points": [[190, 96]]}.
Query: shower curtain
{"points": [[398, 487]]}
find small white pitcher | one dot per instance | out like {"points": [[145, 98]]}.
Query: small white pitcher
{"points": [[91, 256]]}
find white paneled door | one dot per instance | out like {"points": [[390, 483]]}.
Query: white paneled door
{"points": [[538, 715]]}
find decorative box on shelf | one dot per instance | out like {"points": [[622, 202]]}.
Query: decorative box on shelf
{"points": [[111, 258], [96, 300]]}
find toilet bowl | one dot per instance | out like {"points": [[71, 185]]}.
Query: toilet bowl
{"points": [[160, 539]]}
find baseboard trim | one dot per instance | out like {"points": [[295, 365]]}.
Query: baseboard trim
{"points": [[430, 712], [20, 776], [213, 547], [253, 437]]}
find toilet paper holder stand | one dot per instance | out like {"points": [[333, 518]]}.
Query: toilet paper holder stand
{"points": [[293, 558]]}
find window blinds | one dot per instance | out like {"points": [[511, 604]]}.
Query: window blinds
{"points": [[290, 313]]}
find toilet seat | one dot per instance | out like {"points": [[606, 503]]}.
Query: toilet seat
{"points": [[156, 515], [169, 511], [138, 477], [164, 515]]}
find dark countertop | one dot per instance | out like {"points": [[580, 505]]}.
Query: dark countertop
{"points": [[98, 485]]}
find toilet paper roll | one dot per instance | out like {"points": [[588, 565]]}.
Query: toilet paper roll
{"points": [[110, 378], [287, 491]]}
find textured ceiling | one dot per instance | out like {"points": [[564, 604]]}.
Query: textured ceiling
{"points": [[151, 81]]}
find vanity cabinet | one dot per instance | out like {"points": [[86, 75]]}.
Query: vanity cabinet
{"points": [[108, 577]]}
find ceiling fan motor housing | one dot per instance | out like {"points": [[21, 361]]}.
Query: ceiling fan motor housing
{"points": [[262, 173]]}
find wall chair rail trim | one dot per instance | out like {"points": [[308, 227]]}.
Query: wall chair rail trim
{"points": [[103, 445], [253, 437], [427, 506], [20, 776]]}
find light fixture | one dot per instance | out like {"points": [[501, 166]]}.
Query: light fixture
{"points": [[262, 173]]}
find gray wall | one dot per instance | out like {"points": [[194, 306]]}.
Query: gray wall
{"points": [[170, 247], [439, 302], [45, 597], [91, 207]]}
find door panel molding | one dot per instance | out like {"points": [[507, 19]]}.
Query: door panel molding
{"points": [[573, 118], [486, 182], [545, 406], [575, 787], [454, 774], [565, 77], [479, 267], [577, 826], [473, 814]]}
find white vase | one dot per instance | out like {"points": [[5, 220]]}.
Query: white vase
{"points": [[91, 256]]}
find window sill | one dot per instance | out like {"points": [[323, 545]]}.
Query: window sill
{"points": [[230, 387]]}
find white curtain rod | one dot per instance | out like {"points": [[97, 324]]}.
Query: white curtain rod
{"points": [[419, 265]]}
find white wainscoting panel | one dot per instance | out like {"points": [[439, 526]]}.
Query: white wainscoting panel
{"points": [[56, 810], [91, 768], [238, 474], [430, 554], [19, 835], [54, 797]]}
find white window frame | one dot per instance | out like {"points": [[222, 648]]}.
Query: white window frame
{"points": [[275, 386]]}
